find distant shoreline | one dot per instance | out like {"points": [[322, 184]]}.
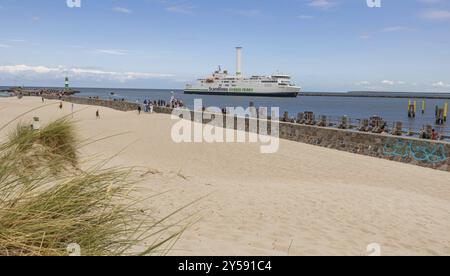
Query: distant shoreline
{"points": [[396, 95], [350, 94]]}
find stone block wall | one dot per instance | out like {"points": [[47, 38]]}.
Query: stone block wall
{"points": [[425, 153]]}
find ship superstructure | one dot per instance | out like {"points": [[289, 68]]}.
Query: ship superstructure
{"points": [[222, 83]]}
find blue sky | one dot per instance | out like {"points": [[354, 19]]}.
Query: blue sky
{"points": [[326, 45]]}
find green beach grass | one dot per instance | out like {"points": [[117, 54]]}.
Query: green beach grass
{"points": [[48, 204]]}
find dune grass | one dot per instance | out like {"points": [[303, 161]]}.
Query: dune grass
{"points": [[53, 148], [48, 203]]}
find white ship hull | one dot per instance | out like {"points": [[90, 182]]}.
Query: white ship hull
{"points": [[293, 92], [222, 83]]}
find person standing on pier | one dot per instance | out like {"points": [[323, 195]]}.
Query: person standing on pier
{"points": [[434, 135], [145, 106]]}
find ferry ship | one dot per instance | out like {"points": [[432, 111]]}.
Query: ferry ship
{"points": [[222, 83]]}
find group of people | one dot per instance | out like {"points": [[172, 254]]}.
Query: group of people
{"points": [[433, 135], [97, 112], [119, 100], [148, 105], [175, 103]]}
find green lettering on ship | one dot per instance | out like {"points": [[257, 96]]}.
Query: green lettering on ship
{"points": [[241, 90]]}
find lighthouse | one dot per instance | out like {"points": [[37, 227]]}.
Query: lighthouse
{"points": [[66, 83]]}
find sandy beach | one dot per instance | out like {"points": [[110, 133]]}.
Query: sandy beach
{"points": [[302, 200]]}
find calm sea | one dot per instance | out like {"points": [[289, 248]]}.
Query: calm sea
{"points": [[391, 109]]}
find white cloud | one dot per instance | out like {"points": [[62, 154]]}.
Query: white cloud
{"points": [[5, 46], [390, 29], [441, 84], [388, 82], [120, 76], [304, 16], [121, 10], [392, 83], [17, 40], [394, 29], [114, 52], [435, 15], [364, 36], [16, 69], [61, 71], [363, 83], [431, 1], [322, 4], [181, 9]]}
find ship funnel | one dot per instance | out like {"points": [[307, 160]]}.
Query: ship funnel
{"points": [[238, 60]]}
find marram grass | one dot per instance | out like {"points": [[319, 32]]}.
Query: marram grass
{"points": [[48, 203], [53, 148]]}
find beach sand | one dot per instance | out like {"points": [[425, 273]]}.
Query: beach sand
{"points": [[303, 200]]}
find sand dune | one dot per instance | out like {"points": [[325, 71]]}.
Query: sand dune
{"points": [[303, 200]]}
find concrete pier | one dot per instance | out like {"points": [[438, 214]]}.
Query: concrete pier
{"points": [[421, 152]]}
